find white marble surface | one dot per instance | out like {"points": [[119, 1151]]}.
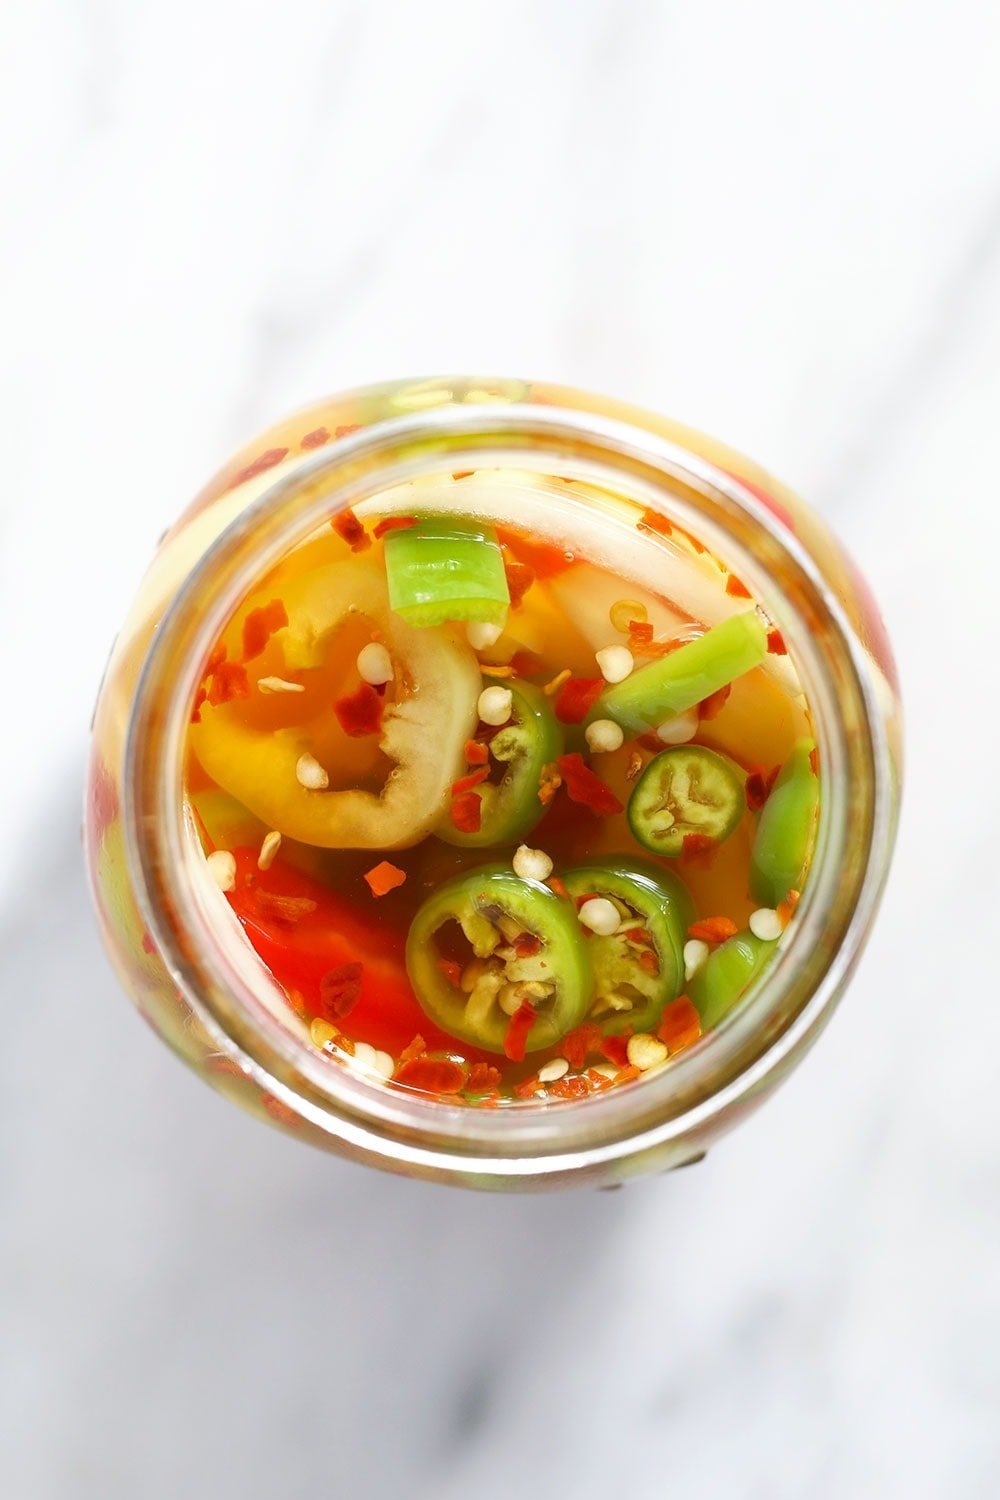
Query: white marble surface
{"points": [[780, 222]]}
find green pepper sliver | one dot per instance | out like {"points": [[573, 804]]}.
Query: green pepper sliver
{"points": [[511, 806], [630, 990], [725, 976], [441, 569], [499, 913], [786, 829], [687, 789], [675, 683]]}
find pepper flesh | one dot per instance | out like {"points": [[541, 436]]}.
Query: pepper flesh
{"points": [[726, 975], [442, 569], [423, 729], [478, 902], [786, 828]]}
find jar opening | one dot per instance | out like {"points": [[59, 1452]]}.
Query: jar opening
{"points": [[228, 987]]}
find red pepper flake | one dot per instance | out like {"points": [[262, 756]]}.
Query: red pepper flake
{"points": [[696, 847], [260, 465], [524, 663], [597, 1081], [467, 812], [569, 1088], [615, 1049], [581, 901], [649, 963], [200, 698], [653, 521], [713, 929], [657, 649], [639, 935], [393, 523], [527, 944], [347, 429], [786, 908], [432, 1075], [755, 789], [260, 625], [577, 1045], [527, 1088], [519, 580], [776, 643], [586, 788], [640, 631], [350, 530], [384, 877], [549, 783], [148, 946], [462, 473], [360, 713], [285, 910], [315, 439], [340, 990], [416, 1048], [482, 1078], [229, 681], [476, 754], [712, 706], [626, 1075], [558, 886], [814, 761], [577, 697], [466, 783], [452, 971], [737, 588], [680, 1024], [516, 1039], [218, 1062], [279, 1111]]}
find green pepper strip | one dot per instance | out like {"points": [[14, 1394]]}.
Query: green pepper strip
{"points": [[441, 569], [647, 898], [693, 672], [510, 807], [725, 976], [556, 980], [786, 829]]}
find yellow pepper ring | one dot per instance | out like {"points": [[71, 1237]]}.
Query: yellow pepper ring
{"points": [[424, 729]]}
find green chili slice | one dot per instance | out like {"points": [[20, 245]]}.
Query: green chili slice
{"points": [[693, 672], [786, 829], [726, 974], [518, 752], [515, 942], [639, 968], [441, 569], [687, 789]]}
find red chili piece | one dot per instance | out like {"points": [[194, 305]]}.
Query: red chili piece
{"points": [[260, 625], [315, 439], [340, 990], [776, 643], [577, 697], [755, 788], [229, 680], [466, 783], [433, 1075], [577, 1045], [349, 529], [360, 713], [521, 1023], [476, 754], [615, 1049], [467, 812], [260, 465], [482, 1078], [584, 787], [394, 523]]}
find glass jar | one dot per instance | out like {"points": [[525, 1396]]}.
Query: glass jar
{"points": [[212, 1001]]}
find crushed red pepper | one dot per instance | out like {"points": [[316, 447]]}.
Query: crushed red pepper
{"points": [[467, 812], [680, 1024], [384, 877], [577, 1045], [577, 697], [260, 465], [814, 761], [713, 929], [229, 681], [285, 910], [482, 1078], [521, 1023], [260, 625], [340, 990], [615, 1049], [652, 521], [466, 783], [755, 790], [776, 643], [737, 588], [360, 713], [432, 1075], [416, 1048], [476, 753], [315, 439], [583, 786], [349, 529], [393, 523]]}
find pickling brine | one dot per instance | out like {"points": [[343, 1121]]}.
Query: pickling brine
{"points": [[510, 811]]}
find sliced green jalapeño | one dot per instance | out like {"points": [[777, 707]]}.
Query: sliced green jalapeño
{"points": [[726, 975], [442, 569], [786, 829], [693, 672], [508, 942], [639, 968], [688, 789], [509, 797]]}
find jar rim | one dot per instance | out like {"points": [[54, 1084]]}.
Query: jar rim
{"points": [[747, 1053]]}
